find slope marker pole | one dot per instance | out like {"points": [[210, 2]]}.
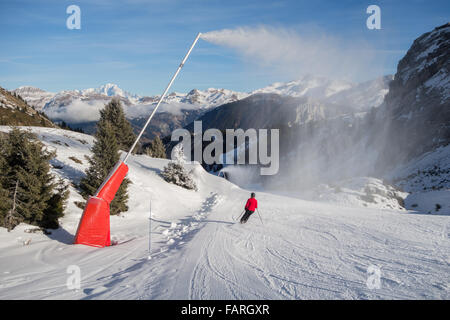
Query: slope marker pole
{"points": [[150, 231]]}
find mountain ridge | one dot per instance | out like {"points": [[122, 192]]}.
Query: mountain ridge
{"points": [[312, 86], [80, 108], [16, 112]]}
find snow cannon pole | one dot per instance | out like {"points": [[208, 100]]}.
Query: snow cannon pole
{"points": [[94, 228], [162, 96]]}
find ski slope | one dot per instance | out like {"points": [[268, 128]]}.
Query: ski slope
{"points": [[302, 250]]}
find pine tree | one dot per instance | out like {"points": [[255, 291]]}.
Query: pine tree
{"points": [[4, 197], [156, 149], [175, 172], [56, 206], [105, 156], [178, 154], [26, 178], [114, 114]]}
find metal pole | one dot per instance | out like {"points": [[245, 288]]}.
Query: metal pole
{"points": [[162, 97], [259, 215], [239, 215], [150, 231]]}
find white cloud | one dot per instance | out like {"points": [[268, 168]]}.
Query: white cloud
{"points": [[144, 110], [77, 111]]}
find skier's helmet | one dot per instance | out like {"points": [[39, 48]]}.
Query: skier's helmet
{"points": [[252, 195]]}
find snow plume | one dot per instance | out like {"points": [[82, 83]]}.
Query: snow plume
{"points": [[244, 176], [295, 53], [311, 152]]}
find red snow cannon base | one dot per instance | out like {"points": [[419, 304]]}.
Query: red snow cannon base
{"points": [[94, 227]]}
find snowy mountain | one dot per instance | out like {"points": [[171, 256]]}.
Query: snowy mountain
{"points": [[297, 102], [343, 94], [35, 97], [298, 250], [211, 97], [111, 90], [416, 111], [80, 108], [202, 99], [311, 86], [86, 102], [15, 111]]}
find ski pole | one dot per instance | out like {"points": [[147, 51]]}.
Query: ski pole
{"points": [[239, 215], [259, 215]]}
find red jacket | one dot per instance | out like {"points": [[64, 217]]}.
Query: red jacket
{"points": [[252, 204]]}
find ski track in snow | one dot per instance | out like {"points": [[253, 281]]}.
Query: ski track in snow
{"points": [[303, 249], [247, 262]]}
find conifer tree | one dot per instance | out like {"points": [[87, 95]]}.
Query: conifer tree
{"points": [[56, 205], [175, 172], [105, 156], [39, 200], [114, 114], [4, 200], [156, 149]]}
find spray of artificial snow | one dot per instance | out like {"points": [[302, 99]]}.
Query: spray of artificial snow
{"points": [[328, 153], [294, 53]]}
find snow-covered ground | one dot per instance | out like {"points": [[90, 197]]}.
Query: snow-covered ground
{"points": [[300, 250], [427, 180], [359, 192]]}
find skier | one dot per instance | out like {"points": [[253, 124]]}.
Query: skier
{"points": [[250, 208]]}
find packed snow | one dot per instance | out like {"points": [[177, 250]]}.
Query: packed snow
{"points": [[297, 250]]}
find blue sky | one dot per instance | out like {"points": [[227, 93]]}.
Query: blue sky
{"points": [[138, 44]]}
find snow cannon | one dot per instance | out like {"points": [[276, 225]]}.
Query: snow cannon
{"points": [[94, 227]]}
